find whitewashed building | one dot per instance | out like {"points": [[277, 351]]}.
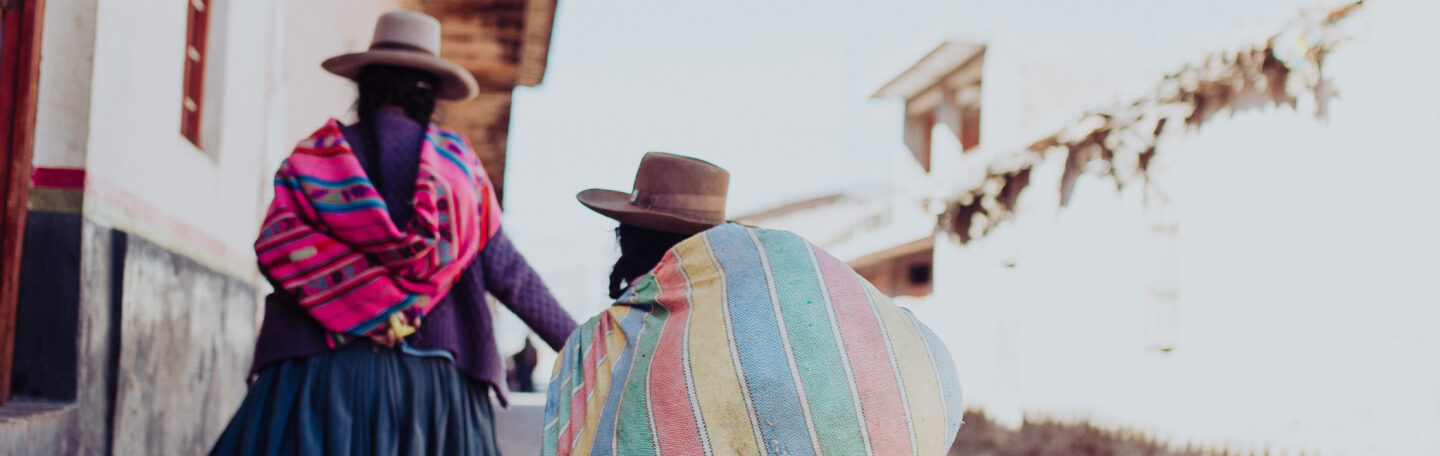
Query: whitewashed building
{"points": [[140, 138], [1224, 242]]}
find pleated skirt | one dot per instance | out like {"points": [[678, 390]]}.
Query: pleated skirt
{"points": [[362, 400]]}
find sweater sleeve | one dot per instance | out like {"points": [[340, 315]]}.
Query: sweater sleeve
{"points": [[514, 283]]}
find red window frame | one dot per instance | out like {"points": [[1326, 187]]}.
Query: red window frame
{"points": [[192, 104]]}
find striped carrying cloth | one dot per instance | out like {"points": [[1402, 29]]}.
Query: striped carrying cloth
{"points": [[752, 341], [328, 239]]}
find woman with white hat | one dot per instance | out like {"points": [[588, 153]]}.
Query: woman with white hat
{"points": [[382, 241]]}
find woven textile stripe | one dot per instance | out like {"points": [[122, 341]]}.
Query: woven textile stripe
{"points": [[865, 347], [711, 356], [904, 333], [949, 384], [763, 353], [675, 423], [809, 327], [631, 322], [328, 239], [751, 341], [634, 428]]}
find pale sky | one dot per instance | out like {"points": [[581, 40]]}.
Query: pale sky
{"points": [[778, 93]]}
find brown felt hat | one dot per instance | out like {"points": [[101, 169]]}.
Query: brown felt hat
{"points": [[412, 40], [673, 193]]}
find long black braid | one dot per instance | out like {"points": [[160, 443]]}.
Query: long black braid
{"points": [[411, 90], [640, 250]]}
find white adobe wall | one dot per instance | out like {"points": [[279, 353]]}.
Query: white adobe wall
{"points": [[265, 91], [63, 105], [314, 31], [1306, 316], [142, 175]]}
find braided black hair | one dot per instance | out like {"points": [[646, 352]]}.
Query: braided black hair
{"points": [[411, 90], [640, 250]]}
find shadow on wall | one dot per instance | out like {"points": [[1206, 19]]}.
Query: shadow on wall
{"points": [[982, 437]]}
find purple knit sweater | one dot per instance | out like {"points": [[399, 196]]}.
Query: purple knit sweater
{"points": [[461, 322]]}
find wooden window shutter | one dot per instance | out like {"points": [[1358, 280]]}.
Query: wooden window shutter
{"points": [[193, 102]]}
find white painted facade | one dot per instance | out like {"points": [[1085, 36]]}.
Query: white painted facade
{"points": [[110, 104], [1280, 298]]}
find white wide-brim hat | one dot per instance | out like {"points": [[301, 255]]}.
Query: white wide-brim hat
{"points": [[411, 40]]}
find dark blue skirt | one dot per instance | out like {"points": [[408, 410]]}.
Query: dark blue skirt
{"points": [[362, 399]]}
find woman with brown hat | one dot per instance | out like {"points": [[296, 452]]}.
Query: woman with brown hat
{"points": [[382, 241], [726, 339], [674, 197]]}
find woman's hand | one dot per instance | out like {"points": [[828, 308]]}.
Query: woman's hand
{"points": [[386, 339], [398, 328]]}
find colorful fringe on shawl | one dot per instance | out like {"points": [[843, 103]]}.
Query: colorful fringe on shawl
{"points": [[752, 341], [329, 241]]}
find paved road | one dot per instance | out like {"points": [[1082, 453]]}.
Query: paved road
{"points": [[518, 427]]}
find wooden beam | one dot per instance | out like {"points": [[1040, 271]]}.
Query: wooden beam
{"points": [[906, 249], [535, 45], [486, 122], [477, 44], [19, 71], [503, 42], [958, 78], [493, 76], [439, 8]]}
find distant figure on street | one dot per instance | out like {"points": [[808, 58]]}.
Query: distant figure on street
{"points": [[381, 242], [725, 339], [523, 364]]}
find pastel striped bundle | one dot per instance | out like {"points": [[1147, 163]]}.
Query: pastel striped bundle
{"points": [[752, 341], [329, 241]]}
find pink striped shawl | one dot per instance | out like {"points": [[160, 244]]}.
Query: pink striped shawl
{"points": [[329, 241]]}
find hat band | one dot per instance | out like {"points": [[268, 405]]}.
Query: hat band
{"points": [[394, 46], [691, 205]]}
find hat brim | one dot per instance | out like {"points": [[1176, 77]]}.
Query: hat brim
{"points": [[616, 205], [456, 83]]}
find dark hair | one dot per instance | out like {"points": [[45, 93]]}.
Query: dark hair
{"points": [[640, 250], [411, 90]]}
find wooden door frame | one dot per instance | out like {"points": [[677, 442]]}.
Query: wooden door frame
{"points": [[19, 84]]}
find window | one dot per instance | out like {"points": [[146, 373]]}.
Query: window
{"points": [[942, 89], [919, 274], [193, 103], [955, 110], [902, 270]]}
